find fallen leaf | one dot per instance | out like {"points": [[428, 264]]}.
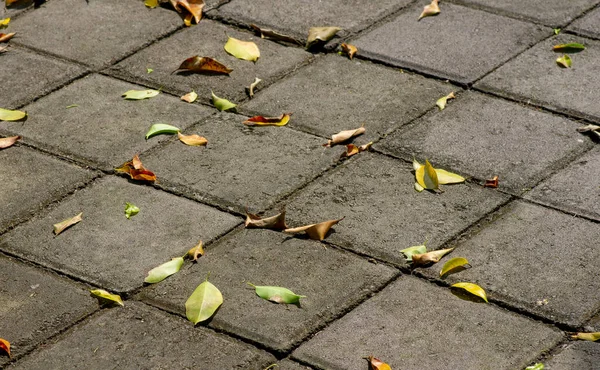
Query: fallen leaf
{"points": [[4, 37], [105, 297], [410, 251], [276, 222], [430, 10], [592, 337], [192, 140], [590, 128], [564, 61], [352, 149], [149, 70], [161, 128], [151, 3], [136, 171], [190, 97], [571, 48], [350, 50], [556, 31], [268, 121], [441, 102], [491, 183], [429, 257], [203, 303], [72, 106], [222, 104], [11, 115], [454, 265], [273, 35], [195, 252], [252, 86], [320, 35], [192, 9], [271, 366], [471, 288], [139, 94], [426, 177], [7, 142], [536, 366], [342, 136], [62, 226], [377, 364], [5, 346], [4, 22], [245, 50], [163, 271], [205, 65], [131, 210], [276, 294], [3, 48], [443, 177], [137, 163], [314, 231]]}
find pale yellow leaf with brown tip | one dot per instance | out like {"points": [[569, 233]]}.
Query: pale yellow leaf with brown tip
{"points": [[471, 288], [441, 102], [192, 140], [320, 34], [61, 226], [429, 257], [314, 231], [190, 97], [342, 136], [105, 297], [245, 50], [592, 337], [431, 9], [195, 252], [377, 364], [276, 222], [7, 142]]}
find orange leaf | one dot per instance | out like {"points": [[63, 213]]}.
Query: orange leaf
{"points": [[314, 231], [204, 65], [352, 149], [491, 183], [192, 9], [5, 346], [196, 251], [350, 50], [192, 140], [136, 170], [429, 257], [137, 163], [276, 222], [377, 364], [8, 141], [342, 136], [268, 121], [4, 37]]}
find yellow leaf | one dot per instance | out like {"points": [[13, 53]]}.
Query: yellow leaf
{"points": [[245, 50], [377, 364], [4, 22], [196, 251], [427, 177], [61, 226], [587, 336], [453, 265], [192, 140], [268, 121], [429, 257], [444, 177], [352, 149], [564, 61], [106, 298], [350, 50], [471, 288], [11, 115], [314, 231], [441, 102], [151, 3], [431, 9]]}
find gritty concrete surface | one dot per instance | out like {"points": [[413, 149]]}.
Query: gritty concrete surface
{"points": [[578, 355], [589, 25], [291, 365], [477, 46], [412, 325], [331, 280]]}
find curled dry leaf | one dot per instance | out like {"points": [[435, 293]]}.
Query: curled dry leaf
{"points": [[352, 149], [205, 65], [190, 97], [277, 294], [105, 297], [3, 48], [4, 37], [491, 183], [7, 142], [268, 121], [471, 288], [410, 251], [11, 115], [266, 33], [222, 104], [571, 48], [314, 231], [443, 177], [151, 3], [454, 265], [429, 257], [190, 9], [62, 226], [5, 347], [203, 303], [592, 337], [250, 89], [430, 10], [192, 140], [342, 136], [136, 170], [590, 128], [318, 35], [139, 94], [245, 50], [441, 102], [276, 222], [161, 128], [163, 271], [564, 61], [350, 50], [131, 210], [195, 252], [377, 364]]}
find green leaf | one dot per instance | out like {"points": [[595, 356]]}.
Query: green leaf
{"points": [[203, 302], [131, 210], [245, 50], [105, 297], [571, 48], [320, 34], [151, 3], [11, 115], [276, 294], [536, 366], [140, 94], [592, 337], [222, 104], [163, 271], [454, 265], [556, 31], [471, 288], [149, 70], [417, 249], [72, 106], [161, 128], [564, 61]]}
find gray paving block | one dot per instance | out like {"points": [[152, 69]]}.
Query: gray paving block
{"points": [[291, 365], [483, 137], [461, 44], [105, 129], [589, 25], [241, 166], [336, 94], [571, 188], [578, 355], [94, 32], [107, 249], [26, 294], [531, 253], [383, 213], [331, 280], [535, 78], [30, 180], [207, 39], [415, 325], [26, 76], [139, 337]]}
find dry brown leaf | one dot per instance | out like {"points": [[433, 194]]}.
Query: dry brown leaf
{"points": [[190, 97], [192, 140], [350, 50], [62, 226], [491, 183], [352, 149], [205, 65], [190, 9], [5, 346], [268, 121], [8, 141], [314, 231], [137, 163], [136, 170], [431, 9], [273, 35], [342, 136], [276, 222], [429, 257], [4, 37], [3, 48], [250, 89], [196, 251], [377, 364], [595, 129]]}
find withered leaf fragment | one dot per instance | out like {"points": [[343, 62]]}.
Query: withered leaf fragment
{"points": [[592, 337], [276, 222], [245, 50], [5, 346], [107, 298], [564, 61], [4, 37], [352, 149], [61, 226], [7, 142], [250, 89], [429, 257], [342, 136], [268, 121], [320, 35], [377, 364], [273, 35], [192, 140], [430, 10], [190, 97], [491, 183], [350, 50], [441, 102], [136, 170], [205, 65], [590, 128], [195, 252], [314, 231], [190, 9]]}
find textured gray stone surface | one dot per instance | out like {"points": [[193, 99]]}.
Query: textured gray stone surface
{"points": [[480, 41], [483, 137], [578, 355], [414, 325], [105, 129], [106, 248], [534, 77], [383, 213], [331, 280], [139, 337], [589, 25], [291, 365], [336, 94]]}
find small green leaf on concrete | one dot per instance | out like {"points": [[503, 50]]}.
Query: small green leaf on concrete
{"points": [[454, 265], [245, 50], [72, 106], [151, 3], [131, 210], [417, 249], [592, 337], [564, 61], [140, 94], [441, 102], [276, 294], [161, 128], [4, 22], [556, 31], [571, 48], [149, 70], [105, 297], [11, 115], [471, 288], [320, 34], [203, 302], [163, 271], [536, 366], [222, 104]]}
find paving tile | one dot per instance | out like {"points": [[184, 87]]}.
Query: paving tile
{"points": [[26, 76], [578, 355], [412, 324], [534, 77], [291, 365], [483, 136], [241, 166], [292, 18], [31, 180], [551, 248], [83, 34], [589, 25], [336, 94], [331, 280], [571, 188], [26, 293], [207, 39], [139, 337], [104, 128], [480, 41], [553, 13], [383, 213], [107, 249]]}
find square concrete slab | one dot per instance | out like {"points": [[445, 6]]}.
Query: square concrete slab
{"points": [[93, 31], [415, 325], [535, 78], [107, 249], [578, 355], [480, 41], [104, 130], [589, 25], [336, 94], [241, 166], [383, 213], [26, 294], [31, 180], [332, 281], [483, 137], [207, 39], [27, 76], [551, 248], [139, 337], [571, 188]]}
